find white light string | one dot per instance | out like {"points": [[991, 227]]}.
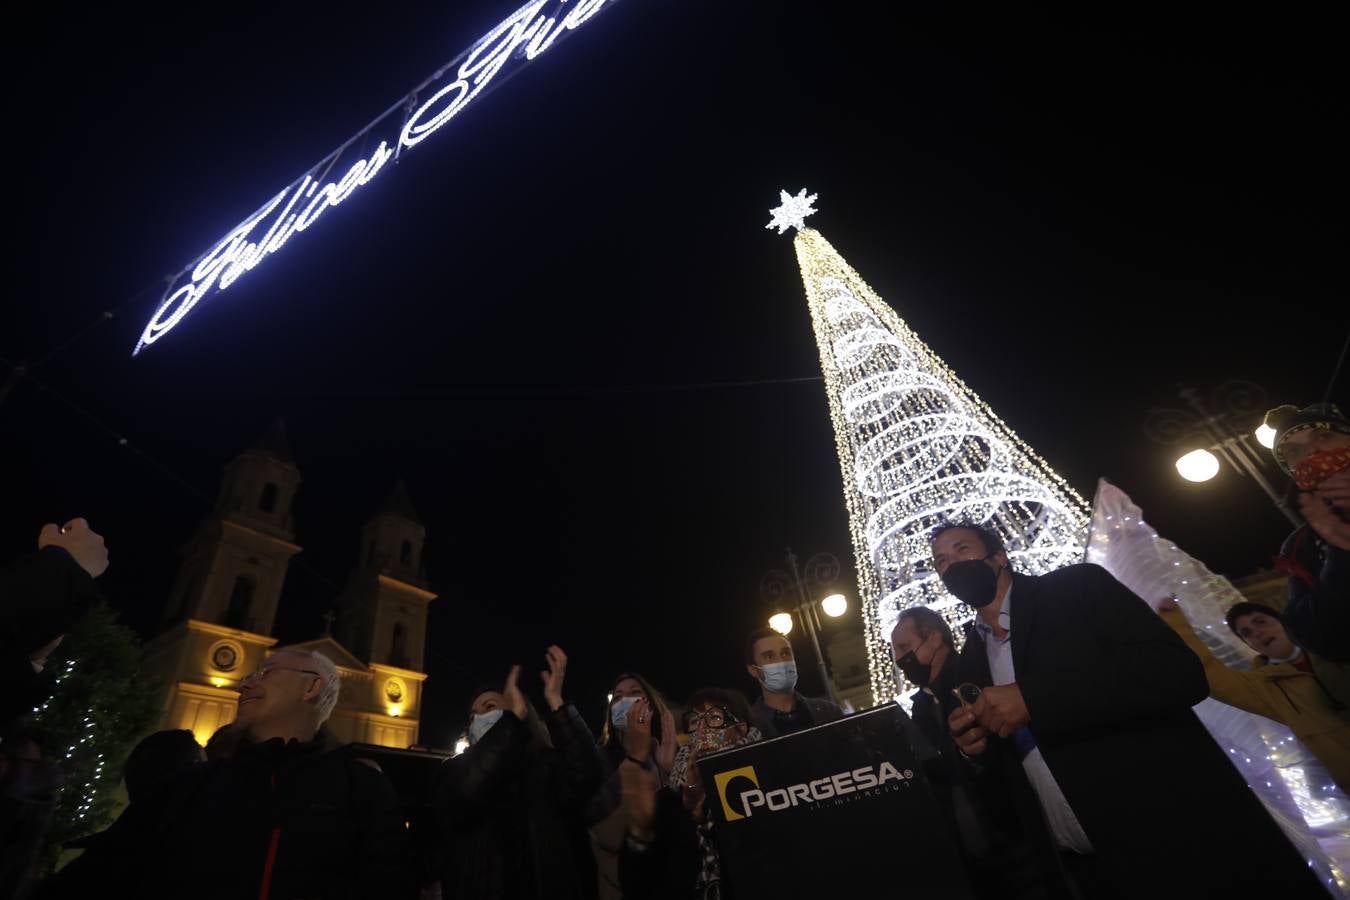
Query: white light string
{"points": [[519, 38], [917, 447]]}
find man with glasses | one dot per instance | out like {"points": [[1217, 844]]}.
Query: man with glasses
{"points": [[291, 817], [1086, 699]]}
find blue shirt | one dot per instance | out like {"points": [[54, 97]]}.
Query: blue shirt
{"points": [[1064, 824]]}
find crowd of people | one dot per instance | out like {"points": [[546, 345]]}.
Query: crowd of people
{"points": [[1068, 763]]}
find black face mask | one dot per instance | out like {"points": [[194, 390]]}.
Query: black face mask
{"points": [[972, 582], [918, 673]]}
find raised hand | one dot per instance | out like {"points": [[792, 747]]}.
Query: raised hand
{"points": [[637, 738], [691, 790], [1335, 489], [86, 547], [553, 678], [515, 700], [1324, 520]]}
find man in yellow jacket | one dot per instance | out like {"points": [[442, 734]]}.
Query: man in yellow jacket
{"points": [[1308, 694]]}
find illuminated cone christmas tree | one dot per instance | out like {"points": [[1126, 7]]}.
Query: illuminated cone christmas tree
{"points": [[917, 447]]}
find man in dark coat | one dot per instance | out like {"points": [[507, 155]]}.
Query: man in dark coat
{"points": [[1091, 704], [1004, 843], [512, 805], [780, 709], [284, 818]]}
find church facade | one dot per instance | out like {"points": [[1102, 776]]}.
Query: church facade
{"points": [[218, 624]]}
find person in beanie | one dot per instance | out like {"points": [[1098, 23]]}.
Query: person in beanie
{"points": [[1313, 445]]}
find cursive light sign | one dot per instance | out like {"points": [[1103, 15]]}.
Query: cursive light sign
{"points": [[494, 57]]}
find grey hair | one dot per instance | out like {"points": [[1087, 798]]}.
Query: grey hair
{"points": [[332, 685]]}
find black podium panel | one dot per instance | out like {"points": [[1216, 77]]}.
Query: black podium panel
{"points": [[827, 811]]}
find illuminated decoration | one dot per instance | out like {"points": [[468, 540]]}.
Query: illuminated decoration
{"points": [[792, 212], [496, 56], [781, 623], [1292, 783], [917, 447], [1198, 465], [835, 605]]}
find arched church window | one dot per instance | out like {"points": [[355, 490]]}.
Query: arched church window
{"points": [[405, 553], [268, 501], [241, 600]]}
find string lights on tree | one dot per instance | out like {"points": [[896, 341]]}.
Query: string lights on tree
{"points": [[917, 447]]}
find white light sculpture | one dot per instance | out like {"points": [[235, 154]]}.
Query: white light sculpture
{"points": [[792, 211], [917, 447], [506, 48]]}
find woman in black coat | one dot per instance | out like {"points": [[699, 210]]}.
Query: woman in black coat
{"points": [[511, 806]]}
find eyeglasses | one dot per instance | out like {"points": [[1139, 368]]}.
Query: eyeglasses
{"points": [[967, 693], [262, 673], [713, 718]]}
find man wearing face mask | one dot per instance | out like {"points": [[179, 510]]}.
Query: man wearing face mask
{"points": [[1004, 857], [779, 709], [1090, 706], [1313, 445]]}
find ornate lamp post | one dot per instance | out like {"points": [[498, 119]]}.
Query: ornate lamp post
{"points": [[794, 589], [1224, 426]]}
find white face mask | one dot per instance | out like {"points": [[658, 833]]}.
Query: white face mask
{"points": [[618, 713], [779, 678], [481, 723]]}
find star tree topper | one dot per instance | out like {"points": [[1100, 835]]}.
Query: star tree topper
{"points": [[793, 211]]}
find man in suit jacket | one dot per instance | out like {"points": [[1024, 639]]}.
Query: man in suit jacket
{"points": [[1091, 705]]}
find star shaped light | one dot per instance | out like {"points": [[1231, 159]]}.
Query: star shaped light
{"points": [[793, 211]]}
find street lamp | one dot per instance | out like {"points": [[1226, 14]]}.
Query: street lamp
{"points": [[793, 590], [1227, 433]]}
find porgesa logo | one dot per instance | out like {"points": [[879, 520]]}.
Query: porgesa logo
{"points": [[751, 797], [723, 781]]}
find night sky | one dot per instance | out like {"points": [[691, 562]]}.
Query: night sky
{"points": [[563, 322]]}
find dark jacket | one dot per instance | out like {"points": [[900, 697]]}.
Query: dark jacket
{"points": [[285, 821], [1318, 613], [1109, 688], [41, 596], [667, 868], [819, 709], [998, 826], [512, 812]]}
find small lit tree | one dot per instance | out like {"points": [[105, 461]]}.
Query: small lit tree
{"points": [[101, 707]]}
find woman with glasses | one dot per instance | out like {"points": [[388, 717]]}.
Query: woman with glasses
{"points": [[669, 850]]}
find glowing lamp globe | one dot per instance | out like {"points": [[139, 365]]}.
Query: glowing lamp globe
{"points": [[835, 605], [1198, 465]]}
